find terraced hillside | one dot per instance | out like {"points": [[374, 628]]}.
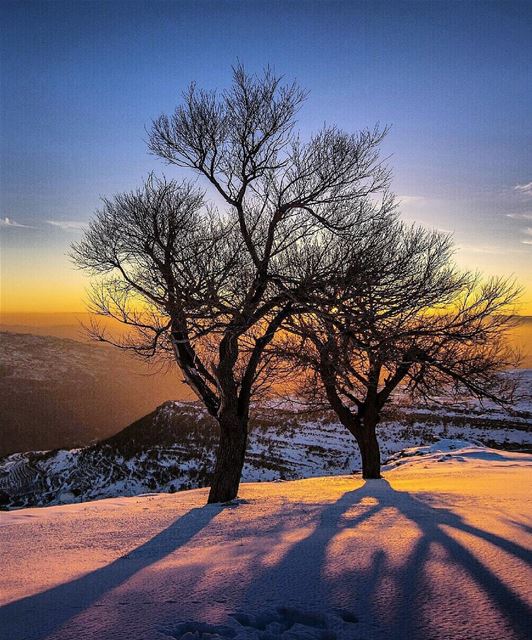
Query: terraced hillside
{"points": [[173, 449]]}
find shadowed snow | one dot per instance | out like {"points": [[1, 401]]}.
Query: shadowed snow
{"points": [[438, 549]]}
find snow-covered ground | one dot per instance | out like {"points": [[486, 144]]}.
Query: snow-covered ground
{"points": [[438, 550]]}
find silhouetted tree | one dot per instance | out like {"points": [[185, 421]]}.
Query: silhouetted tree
{"points": [[213, 287], [400, 315]]}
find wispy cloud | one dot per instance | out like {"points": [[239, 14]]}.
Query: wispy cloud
{"points": [[472, 248], [410, 220], [9, 222], [68, 225], [488, 249], [528, 233], [411, 199], [525, 189], [519, 216]]}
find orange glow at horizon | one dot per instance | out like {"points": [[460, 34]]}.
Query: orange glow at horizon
{"points": [[43, 280]]}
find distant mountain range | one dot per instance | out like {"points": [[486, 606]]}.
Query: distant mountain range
{"points": [[172, 449], [58, 392]]}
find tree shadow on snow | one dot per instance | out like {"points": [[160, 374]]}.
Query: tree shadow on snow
{"points": [[402, 591], [39, 615], [299, 580]]}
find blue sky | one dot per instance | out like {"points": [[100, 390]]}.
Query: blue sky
{"points": [[82, 80]]}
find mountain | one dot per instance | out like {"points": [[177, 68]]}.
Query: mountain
{"points": [[58, 392], [173, 448]]}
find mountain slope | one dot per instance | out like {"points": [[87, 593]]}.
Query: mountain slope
{"points": [[173, 449], [57, 392]]}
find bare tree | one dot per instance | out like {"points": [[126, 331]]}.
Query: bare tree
{"points": [[211, 287], [400, 315]]}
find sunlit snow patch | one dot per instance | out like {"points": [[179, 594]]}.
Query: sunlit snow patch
{"points": [[447, 450]]}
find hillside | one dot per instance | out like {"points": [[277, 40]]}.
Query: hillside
{"points": [[173, 448], [58, 392], [437, 550]]}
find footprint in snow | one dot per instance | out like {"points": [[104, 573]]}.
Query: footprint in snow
{"points": [[282, 623]]}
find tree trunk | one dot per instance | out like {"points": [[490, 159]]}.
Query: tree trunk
{"points": [[229, 459], [369, 450]]}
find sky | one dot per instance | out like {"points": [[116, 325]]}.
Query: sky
{"points": [[81, 82]]}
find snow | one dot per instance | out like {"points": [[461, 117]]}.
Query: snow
{"points": [[438, 550], [456, 451]]}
